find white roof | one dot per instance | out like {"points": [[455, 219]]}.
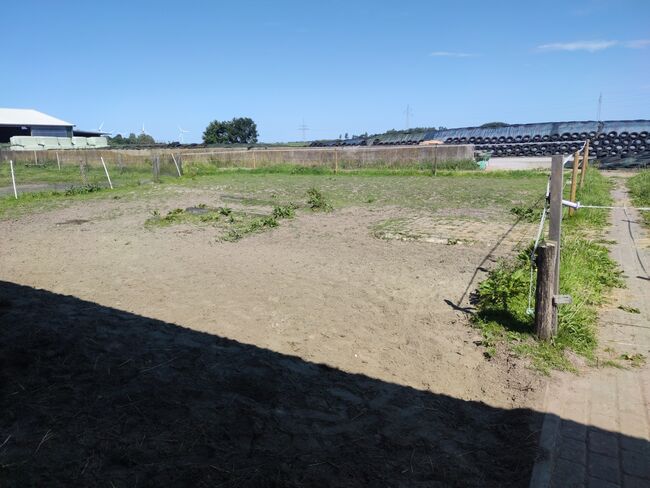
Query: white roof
{"points": [[27, 116]]}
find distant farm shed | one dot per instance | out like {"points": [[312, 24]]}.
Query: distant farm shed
{"points": [[28, 129], [28, 122]]}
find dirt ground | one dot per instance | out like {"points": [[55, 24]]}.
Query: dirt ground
{"points": [[320, 353]]}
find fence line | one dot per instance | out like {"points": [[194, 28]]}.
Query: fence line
{"points": [[350, 157]]}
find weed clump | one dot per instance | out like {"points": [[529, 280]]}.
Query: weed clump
{"points": [[505, 282], [316, 201], [81, 190], [284, 211], [527, 214]]}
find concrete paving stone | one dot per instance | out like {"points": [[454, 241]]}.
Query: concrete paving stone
{"points": [[632, 406], [603, 467], [634, 482], [633, 424], [574, 430], [606, 409], [598, 483], [636, 464], [635, 444], [568, 475], [602, 442], [573, 450], [605, 422]]}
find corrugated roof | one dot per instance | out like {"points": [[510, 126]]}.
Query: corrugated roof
{"points": [[28, 116]]}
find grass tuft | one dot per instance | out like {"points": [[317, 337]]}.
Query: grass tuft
{"points": [[639, 187], [316, 201]]}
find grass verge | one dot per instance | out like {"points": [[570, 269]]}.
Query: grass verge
{"points": [[639, 187], [587, 273]]}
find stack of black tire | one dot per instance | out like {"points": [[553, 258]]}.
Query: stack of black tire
{"points": [[603, 145]]}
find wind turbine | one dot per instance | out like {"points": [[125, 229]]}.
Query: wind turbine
{"points": [[101, 130], [182, 131]]}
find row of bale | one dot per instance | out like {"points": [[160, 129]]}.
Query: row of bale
{"points": [[615, 140], [602, 145]]}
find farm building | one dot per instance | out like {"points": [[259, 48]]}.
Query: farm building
{"points": [[30, 129]]}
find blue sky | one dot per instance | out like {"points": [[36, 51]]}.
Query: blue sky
{"points": [[342, 66]]}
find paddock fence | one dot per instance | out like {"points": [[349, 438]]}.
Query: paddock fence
{"points": [[56, 170]]}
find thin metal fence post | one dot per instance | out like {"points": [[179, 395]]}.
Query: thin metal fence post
{"points": [[13, 178]]}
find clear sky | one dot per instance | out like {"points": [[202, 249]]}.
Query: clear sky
{"points": [[342, 66]]}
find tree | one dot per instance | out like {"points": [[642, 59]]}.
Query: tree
{"points": [[241, 130], [346, 135], [145, 139], [118, 140]]}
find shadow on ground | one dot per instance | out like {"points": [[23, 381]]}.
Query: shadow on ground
{"points": [[93, 396]]}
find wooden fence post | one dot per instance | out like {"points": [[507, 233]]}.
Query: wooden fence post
{"points": [[336, 160], [155, 164], [545, 309], [435, 160], [82, 171], [585, 163], [574, 183]]}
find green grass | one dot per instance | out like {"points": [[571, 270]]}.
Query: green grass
{"points": [[70, 175], [378, 168], [639, 187], [587, 273], [372, 187], [595, 191], [456, 190]]}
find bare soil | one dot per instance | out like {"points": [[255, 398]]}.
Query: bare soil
{"points": [[313, 354]]}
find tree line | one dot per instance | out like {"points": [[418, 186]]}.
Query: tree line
{"points": [[131, 140]]}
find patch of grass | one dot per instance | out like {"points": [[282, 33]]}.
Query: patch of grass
{"points": [[635, 360], [639, 186], [233, 225], [587, 273], [82, 190], [244, 227], [316, 201], [627, 309], [459, 191], [175, 216], [527, 214], [596, 191], [379, 169]]}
